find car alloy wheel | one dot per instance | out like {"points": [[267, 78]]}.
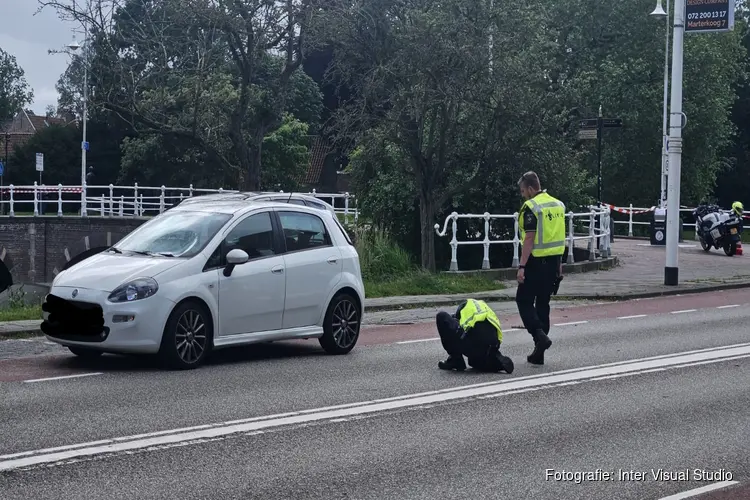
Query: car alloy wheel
{"points": [[345, 323], [190, 337]]}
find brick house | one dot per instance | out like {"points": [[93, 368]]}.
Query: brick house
{"points": [[22, 127]]}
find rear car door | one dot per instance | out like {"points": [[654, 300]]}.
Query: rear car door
{"points": [[252, 298], [313, 267]]}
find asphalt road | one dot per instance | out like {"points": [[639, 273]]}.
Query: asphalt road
{"points": [[618, 393]]}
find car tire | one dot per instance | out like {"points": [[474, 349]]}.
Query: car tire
{"points": [[85, 353], [187, 337], [341, 325]]}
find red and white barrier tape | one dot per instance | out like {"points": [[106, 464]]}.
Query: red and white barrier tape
{"points": [[628, 210]]}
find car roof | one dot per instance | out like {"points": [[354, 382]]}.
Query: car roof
{"points": [[240, 207], [213, 198]]}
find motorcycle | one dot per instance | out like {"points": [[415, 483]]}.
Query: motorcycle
{"points": [[724, 235]]}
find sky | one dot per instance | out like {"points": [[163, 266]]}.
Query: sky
{"points": [[28, 37]]}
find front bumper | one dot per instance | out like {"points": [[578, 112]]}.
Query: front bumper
{"points": [[90, 320]]}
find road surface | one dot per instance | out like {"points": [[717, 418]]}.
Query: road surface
{"points": [[630, 391]]}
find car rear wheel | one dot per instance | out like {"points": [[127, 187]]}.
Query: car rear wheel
{"points": [[187, 337], [341, 325], [85, 353]]}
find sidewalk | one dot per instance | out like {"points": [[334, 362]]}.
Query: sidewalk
{"points": [[639, 275]]}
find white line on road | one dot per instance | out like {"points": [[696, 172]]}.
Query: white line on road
{"points": [[633, 317], [183, 436], [62, 377], [684, 311], [727, 307], [417, 340], [571, 323], [701, 490]]}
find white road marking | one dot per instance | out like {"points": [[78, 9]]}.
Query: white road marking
{"points": [[684, 311], [62, 377], [727, 307], [633, 317], [179, 437], [699, 491], [417, 340], [571, 323]]}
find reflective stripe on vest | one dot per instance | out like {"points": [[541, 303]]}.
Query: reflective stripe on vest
{"points": [[475, 311], [549, 239]]}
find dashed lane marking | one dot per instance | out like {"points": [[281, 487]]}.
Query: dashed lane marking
{"points": [[571, 323], [699, 491], [634, 316], [728, 306], [684, 311], [48, 379]]}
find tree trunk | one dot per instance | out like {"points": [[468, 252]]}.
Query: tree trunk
{"points": [[427, 229]]}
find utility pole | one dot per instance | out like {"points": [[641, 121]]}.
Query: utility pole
{"points": [[599, 123]]}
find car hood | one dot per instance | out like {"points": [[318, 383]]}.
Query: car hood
{"points": [[107, 271]]}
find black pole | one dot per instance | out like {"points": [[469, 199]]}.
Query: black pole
{"points": [[599, 155]]}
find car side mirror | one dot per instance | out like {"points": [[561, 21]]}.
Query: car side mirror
{"points": [[235, 257]]}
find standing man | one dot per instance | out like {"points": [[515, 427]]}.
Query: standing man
{"points": [[541, 222]]}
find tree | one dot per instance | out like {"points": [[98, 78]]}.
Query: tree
{"points": [[14, 91], [427, 86], [62, 157], [216, 73]]}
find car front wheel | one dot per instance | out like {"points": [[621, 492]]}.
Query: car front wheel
{"points": [[187, 336], [341, 325]]}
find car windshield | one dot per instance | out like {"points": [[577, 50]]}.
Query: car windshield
{"points": [[174, 234]]}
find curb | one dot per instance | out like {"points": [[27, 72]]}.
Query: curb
{"points": [[606, 297], [26, 332]]}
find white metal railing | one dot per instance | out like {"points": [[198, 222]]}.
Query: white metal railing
{"points": [[632, 211], [602, 234], [126, 201]]}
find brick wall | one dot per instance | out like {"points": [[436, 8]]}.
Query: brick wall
{"points": [[35, 249]]}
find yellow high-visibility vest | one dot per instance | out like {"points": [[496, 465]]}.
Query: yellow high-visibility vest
{"points": [[475, 311], [549, 239]]}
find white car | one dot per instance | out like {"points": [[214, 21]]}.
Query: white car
{"points": [[211, 275], [292, 198]]}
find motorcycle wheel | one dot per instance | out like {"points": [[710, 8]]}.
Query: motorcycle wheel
{"points": [[705, 246], [730, 249]]}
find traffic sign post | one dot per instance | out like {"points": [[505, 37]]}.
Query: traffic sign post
{"points": [[40, 169], [592, 128], [2, 188]]}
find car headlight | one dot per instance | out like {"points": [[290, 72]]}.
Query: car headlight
{"points": [[139, 288]]}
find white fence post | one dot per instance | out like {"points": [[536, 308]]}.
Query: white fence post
{"points": [[101, 206], [36, 202], [571, 239], [346, 208], [161, 200], [84, 201], [592, 245], [516, 241], [122, 205], [486, 244], [630, 221], [454, 243], [140, 206], [59, 200], [111, 201], [12, 213]]}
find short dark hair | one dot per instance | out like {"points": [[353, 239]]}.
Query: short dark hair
{"points": [[530, 180]]}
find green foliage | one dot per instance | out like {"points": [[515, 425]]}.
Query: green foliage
{"points": [[380, 258], [14, 91], [61, 146], [286, 155]]}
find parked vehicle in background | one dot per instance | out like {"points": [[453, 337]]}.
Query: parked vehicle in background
{"points": [[717, 228], [215, 271], [304, 200]]}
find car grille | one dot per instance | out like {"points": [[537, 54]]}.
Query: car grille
{"points": [[72, 320]]}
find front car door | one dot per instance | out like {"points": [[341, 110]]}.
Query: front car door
{"points": [[251, 299], [313, 267]]}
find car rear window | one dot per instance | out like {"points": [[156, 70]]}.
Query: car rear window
{"points": [[343, 231]]}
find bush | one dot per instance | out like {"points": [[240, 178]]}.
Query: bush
{"points": [[380, 258]]}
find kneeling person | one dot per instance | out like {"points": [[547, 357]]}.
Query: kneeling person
{"points": [[473, 331]]}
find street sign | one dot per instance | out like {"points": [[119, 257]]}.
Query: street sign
{"points": [[40, 162], [612, 122], [588, 123], [2, 168], [709, 16], [85, 145], [587, 134]]}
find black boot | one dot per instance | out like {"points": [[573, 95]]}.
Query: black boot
{"points": [[453, 363], [541, 344], [504, 363]]}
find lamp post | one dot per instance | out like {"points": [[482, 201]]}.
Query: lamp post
{"points": [[74, 46], [659, 12], [671, 271]]}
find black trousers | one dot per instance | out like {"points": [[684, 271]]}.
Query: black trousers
{"points": [[479, 346], [533, 295]]}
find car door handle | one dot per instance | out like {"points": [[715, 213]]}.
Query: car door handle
{"points": [[332, 260], [277, 270]]}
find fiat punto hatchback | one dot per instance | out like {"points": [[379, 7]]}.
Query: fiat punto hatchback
{"points": [[210, 275]]}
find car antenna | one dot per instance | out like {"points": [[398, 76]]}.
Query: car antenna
{"points": [[290, 197]]}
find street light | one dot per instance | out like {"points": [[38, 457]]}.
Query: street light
{"points": [[74, 46], [659, 12], [671, 271]]}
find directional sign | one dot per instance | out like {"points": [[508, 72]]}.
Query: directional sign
{"points": [[612, 122], [587, 134], [706, 16], [589, 123], [40, 162], [2, 168], [85, 145]]}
